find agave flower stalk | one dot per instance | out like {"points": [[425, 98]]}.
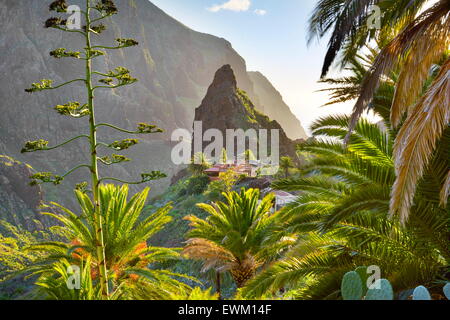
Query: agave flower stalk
{"points": [[94, 11]]}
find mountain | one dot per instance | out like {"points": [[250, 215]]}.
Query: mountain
{"points": [[20, 202], [226, 106], [173, 63], [271, 104]]}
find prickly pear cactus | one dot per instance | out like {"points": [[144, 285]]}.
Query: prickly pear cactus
{"points": [[362, 272], [447, 290], [380, 290], [421, 293], [352, 287]]}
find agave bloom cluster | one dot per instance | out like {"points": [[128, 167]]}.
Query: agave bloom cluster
{"points": [[43, 85], [74, 109], [94, 11], [58, 6], [107, 7]]}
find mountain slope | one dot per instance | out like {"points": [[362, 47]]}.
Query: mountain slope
{"points": [[271, 104], [174, 66], [19, 202], [225, 107]]}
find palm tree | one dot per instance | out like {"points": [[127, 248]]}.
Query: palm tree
{"points": [[346, 89], [341, 219], [248, 156], [199, 164], [286, 163], [236, 237], [419, 41], [129, 258], [348, 23], [223, 156]]}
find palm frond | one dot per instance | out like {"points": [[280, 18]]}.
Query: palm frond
{"points": [[432, 25], [417, 140], [445, 192]]}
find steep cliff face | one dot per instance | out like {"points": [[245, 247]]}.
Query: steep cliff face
{"points": [[271, 104], [19, 202], [174, 66], [226, 106]]}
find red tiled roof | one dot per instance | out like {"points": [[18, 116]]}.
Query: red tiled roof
{"points": [[219, 168], [282, 193]]}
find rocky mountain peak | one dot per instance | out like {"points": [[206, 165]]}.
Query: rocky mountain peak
{"points": [[222, 100], [225, 106], [224, 79]]}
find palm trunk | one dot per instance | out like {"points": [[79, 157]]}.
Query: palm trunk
{"points": [[98, 224], [218, 285], [241, 274]]}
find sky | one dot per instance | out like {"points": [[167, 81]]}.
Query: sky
{"points": [[271, 35]]}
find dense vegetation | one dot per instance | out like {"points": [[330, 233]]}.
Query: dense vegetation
{"points": [[367, 194]]}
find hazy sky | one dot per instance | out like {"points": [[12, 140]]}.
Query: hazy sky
{"points": [[271, 35]]}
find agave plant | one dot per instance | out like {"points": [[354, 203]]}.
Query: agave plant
{"points": [[129, 257], [237, 236]]}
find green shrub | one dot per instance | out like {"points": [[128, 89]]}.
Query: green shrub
{"points": [[195, 186]]}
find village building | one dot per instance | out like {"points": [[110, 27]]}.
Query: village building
{"points": [[248, 169], [282, 198]]}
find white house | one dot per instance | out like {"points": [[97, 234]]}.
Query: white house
{"points": [[282, 198]]}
